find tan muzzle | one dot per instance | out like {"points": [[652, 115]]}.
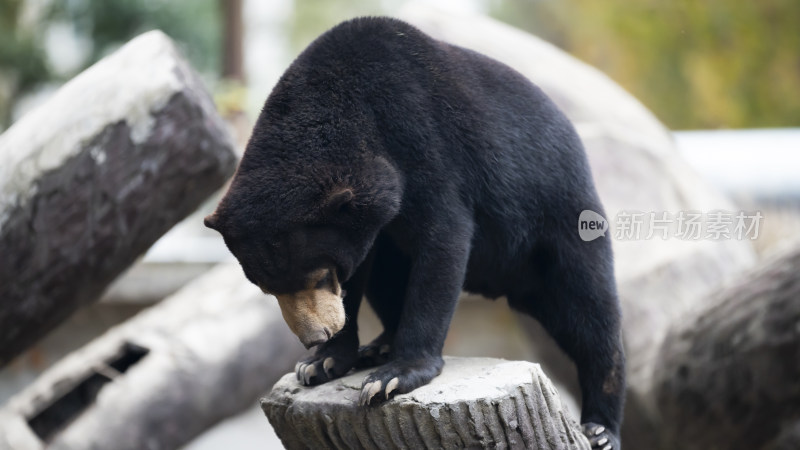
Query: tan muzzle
{"points": [[314, 315]]}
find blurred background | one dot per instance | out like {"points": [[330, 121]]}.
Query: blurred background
{"points": [[725, 76], [734, 63]]}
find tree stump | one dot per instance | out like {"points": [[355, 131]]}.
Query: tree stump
{"points": [[91, 178], [474, 403]]}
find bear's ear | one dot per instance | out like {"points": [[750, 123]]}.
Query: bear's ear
{"points": [[212, 221], [338, 199]]}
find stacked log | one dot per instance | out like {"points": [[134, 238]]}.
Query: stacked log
{"points": [[90, 179], [728, 376], [161, 378]]}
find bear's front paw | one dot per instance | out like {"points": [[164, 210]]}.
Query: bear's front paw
{"points": [[327, 364], [600, 437], [398, 377], [376, 353]]}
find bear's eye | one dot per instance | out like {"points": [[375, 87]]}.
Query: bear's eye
{"points": [[324, 282]]}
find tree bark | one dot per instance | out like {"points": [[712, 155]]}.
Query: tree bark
{"points": [[93, 177], [474, 403], [729, 376], [162, 378], [232, 47]]}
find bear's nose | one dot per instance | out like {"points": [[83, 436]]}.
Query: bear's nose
{"points": [[316, 338]]}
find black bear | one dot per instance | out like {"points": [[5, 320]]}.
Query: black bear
{"points": [[390, 165]]}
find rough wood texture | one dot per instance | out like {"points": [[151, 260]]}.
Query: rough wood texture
{"points": [[94, 176], [204, 354], [474, 403], [729, 376]]}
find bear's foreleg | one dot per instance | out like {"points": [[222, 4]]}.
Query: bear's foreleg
{"points": [[438, 265], [386, 291], [339, 354]]}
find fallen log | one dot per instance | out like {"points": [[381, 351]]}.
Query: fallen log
{"points": [[474, 403], [729, 375], [788, 439], [161, 378], [90, 179]]}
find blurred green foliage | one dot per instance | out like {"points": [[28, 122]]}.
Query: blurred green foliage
{"points": [[194, 24], [696, 64], [310, 18], [19, 49], [102, 26], [22, 59]]}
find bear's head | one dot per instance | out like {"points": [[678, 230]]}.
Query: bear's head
{"points": [[300, 230]]}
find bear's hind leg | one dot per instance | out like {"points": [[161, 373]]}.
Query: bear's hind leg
{"points": [[577, 304]]}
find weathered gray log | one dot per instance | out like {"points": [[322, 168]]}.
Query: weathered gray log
{"points": [[636, 167], [94, 176], [728, 377], [788, 439], [161, 378], [474, 403]]}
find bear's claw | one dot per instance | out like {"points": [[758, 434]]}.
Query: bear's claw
{"points": [[398, 377], [368, 391], [391, 386], [327, 364], [600, 437]]}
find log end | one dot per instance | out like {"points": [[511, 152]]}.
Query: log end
{"points": [[475, 402]]}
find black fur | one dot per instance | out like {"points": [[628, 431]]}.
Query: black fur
{"points": [[463, 174]]}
